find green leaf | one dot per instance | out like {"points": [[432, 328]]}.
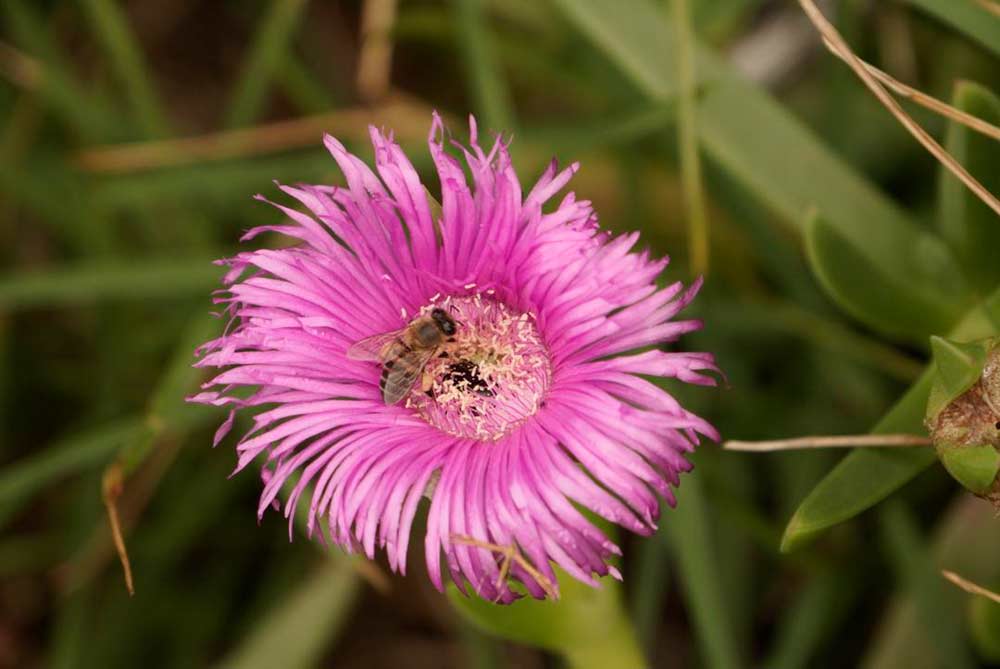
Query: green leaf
{"points": [[586, 625], [298, 631], [821, 605], [88, 448], [752, 136], [634, 34], [960, 545], [888, 303], [485, 78], [75, 105], [168, 410], [687, 529], [867, 476], [264, 60], [984, 624], [966, 16], [167, 405], [957, 367], [125, 57], [647, 602], [917, 572], [968, 225], [975, 467], [152, 278]]}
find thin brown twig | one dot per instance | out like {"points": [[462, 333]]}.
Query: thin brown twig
{"points": [[407, 117], [924, 100], [829, 32], [839, 441], [510, 554], [375, 57], [129, 505], [969, 586], [111, 489]]}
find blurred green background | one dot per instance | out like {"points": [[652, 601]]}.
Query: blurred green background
{"points": [[132, 137]]}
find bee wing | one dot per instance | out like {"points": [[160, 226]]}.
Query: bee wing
{"points": [[399, 379], [373, 348]]}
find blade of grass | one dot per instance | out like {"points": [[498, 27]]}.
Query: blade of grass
{"points": [[821, 331], [126, 59], [168, 413], [966, 16], [964, 221], [750, 135], [821, 605], [85, 449], [267, 53], [635, 36], [68, 285], [29, 553], [651, 588], [867, 476], [960, 543], [32, 181], [687, 130], [68, 648], [486, 81], [87, 114], [916, 573], [686, 529], [298, 631], [300, 85]]}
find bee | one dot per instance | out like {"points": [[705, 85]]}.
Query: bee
{"points": [[404, 352]]}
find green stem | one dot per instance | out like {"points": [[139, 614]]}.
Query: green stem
{"points": [[687, 128]]}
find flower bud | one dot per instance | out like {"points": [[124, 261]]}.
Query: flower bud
{"points": [[963, 413]]}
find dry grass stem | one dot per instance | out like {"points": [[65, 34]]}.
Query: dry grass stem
{"points": [[408, 119], [375, 57], [969, 586], [839, 441], [19, 68], [510, 555], [991, 6], [924, 100], [830, 34], [111, 489]]}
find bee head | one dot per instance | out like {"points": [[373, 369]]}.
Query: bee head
{"points": [[444, 321]]}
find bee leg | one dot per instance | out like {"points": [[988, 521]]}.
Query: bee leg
{"points": [[427, 383]]}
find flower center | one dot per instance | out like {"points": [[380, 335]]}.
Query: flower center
{"points": [[491, 378]]}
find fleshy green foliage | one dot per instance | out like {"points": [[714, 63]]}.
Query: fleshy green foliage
{"points": [[588, 626], [984, 621], [966, 223], [975, 467], [956, 368], [839, 250], [866, 476]]}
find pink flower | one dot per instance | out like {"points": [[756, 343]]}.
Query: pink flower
{"points": [[538, 408]]}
